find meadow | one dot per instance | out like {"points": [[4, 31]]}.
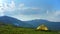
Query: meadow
{"points": [[9, 29]]}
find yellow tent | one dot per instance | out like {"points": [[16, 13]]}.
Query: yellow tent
{"points": [[42, 27]]}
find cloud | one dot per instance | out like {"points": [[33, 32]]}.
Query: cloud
{"points": [[12, 6], [33, 8], [27, 17], [6, 7], [1, 1], [28, 10], [24, 12], [57, 13], [23, 7], [54, 16], [9, 7], [1, 10]]}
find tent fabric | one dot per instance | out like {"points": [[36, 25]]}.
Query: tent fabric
{"points": [[42, 27]]}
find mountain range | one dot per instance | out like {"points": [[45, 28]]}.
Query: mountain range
{"points": [[49, 24], [31, 24], [13, 21]]}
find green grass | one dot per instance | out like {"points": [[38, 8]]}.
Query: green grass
{"points": [[17, 30]]}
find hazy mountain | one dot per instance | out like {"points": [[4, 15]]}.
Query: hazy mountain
{"points": [[37, 22], [49, 24], [30, 24], [14, 21]]}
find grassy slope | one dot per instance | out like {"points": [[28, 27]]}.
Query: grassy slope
{"points": [[17, 30]]}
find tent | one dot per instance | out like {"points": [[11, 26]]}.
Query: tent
{"points": [[42, 27]]}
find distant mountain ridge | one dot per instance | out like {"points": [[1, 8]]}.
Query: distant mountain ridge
{"points": [[14, 21], [51, 25], [31, 24], [37, 22]]}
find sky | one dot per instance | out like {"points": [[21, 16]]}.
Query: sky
{"points": [[26, 10]]}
